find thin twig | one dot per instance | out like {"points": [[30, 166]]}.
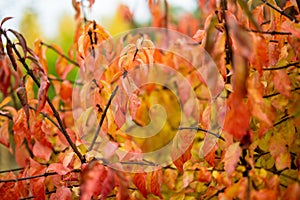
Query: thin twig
{"points": [[269, 32], [283, 120], [277, 93], [103, 117], [35, 176], [11, 170], [55, 112], [203, 130], [282, 67], [50, 192], [61, 80], [48, 117], [29, 177], [61, 54], [280, 11]]}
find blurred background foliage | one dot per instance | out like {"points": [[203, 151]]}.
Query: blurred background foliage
{"points": [[30, 23]]}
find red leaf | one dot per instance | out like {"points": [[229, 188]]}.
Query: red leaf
{"points": [[59, 168], [37, 185], [292, 192], [108, 184], [139, 180], [183, 158], [9, 190], [122, 182], [42, 151], [204, 175], [92, 180], [237, 118], [156, 182], [43, 91], [62, 193], [232, 156]]}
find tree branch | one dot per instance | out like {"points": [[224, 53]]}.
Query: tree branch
{"points": [[269, 32], [280, 11], [277, 93], [203, 130], [55, 112], [282, 67], [61, 54], [103, 117]]}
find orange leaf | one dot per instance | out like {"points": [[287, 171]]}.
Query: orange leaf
{"points": [[170, 178], [292, 192]]}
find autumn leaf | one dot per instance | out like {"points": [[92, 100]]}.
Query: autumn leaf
{"points": [[170, 178], [282, 83], [232, 157], [62, 193], [108, 184], [37, 185], [93, 175], [156, 182], [59, 168], [139, 179], [43, 91]]}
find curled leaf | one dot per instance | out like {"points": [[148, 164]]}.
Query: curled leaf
{"points": [[21, 40], [4, 20], [22, 95], [11, 56], [43, 90]]}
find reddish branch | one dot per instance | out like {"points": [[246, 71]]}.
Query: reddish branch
{"points": [[55, 112]]}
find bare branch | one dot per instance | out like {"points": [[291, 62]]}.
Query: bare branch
{"points": [[282, 67], [103, 117], [280, 11], [203, 130], [61, 54]]}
